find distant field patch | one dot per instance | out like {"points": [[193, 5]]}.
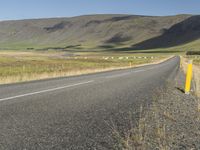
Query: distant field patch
{"points": [[25, 66]]}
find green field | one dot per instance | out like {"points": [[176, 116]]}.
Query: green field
{"points": [[16, 66]]}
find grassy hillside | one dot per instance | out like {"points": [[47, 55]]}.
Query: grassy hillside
{"points": [[179, 34], [97, 32]]}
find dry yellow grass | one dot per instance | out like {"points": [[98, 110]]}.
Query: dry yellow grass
{"points": [[197, 83], [46, 75], [26, 66], [197, 78]]}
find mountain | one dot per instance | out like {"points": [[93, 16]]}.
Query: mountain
{"points": [[100, 32], [181, 33]]}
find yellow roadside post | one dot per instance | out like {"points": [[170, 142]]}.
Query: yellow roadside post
{"points": [[188, 78], [130, 64]]}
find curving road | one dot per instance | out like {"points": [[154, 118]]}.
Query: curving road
{"points": [[78, 112]]}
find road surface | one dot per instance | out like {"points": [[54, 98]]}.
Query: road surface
{"points": [[78, 112]]}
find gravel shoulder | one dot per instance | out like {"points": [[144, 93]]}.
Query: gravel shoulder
{"points": [[172, 122]]}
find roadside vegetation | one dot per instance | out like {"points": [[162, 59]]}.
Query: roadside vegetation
{"points": [[17, 66], [197, 75]]}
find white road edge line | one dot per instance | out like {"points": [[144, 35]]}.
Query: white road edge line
{"points": [[123, 74], [118, 75], [139, 71], [44, 91]]}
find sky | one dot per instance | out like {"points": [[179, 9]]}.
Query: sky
{"points": [[27, 9]]}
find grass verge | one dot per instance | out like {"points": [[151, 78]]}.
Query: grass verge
{"points": [[197, 74]]}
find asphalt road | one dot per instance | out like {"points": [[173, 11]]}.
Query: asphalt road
{"points": [[79, 112]]}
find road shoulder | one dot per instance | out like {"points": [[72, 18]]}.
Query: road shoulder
{"points": [[171, 122]]}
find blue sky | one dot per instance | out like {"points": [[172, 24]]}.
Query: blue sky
{"points": [[24, 9]]}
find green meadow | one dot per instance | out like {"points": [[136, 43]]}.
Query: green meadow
{"points": [[17, 66]]}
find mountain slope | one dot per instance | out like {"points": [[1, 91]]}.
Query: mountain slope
{"points": [[85, 32], [181, 33]]}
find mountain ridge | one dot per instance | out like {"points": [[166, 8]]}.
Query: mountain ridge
{"points": [[102, 31]]}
